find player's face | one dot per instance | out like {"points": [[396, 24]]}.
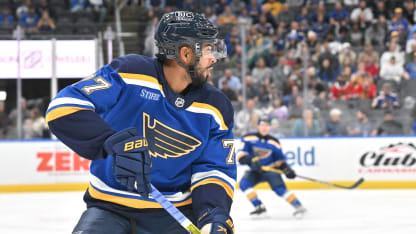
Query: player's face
{"points": [[205, 65], [264, 129]]}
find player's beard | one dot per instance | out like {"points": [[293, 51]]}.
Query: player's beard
{"points": [[201, 77]]}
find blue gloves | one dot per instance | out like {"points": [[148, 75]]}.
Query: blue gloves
{"points": [[132, 162], [255, 164], [215, 221]]}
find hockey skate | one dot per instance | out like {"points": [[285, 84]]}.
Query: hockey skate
{"points": [[259, 210], [299, 212]]}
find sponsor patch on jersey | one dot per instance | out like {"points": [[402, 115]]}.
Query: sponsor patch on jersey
{"points": [[144, 93], [165, 141]]}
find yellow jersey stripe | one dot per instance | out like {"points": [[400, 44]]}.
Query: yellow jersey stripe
{"points": [[240, 155], [213, 109], [141, 77], [130, 202], [62, 111], [275, 143], [250, 138], [221, 183]]}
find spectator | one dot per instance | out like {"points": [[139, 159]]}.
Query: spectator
{"points": [[261, 72], [411, 67], [275, 130], [356, 36], [4, 119], [23, 9], [227, 17], [154, 5], [338, 15], [334, 127], [362, 11], [264, 27], [254, 9], [46, 23], [98, 9], [296, 109], [399, 24], [237, 6], [351, 4], [355, 88], [78, 5], [393, 71], [246, 119], [312, 125], [381, 10], [347, 52], [370, 67], [285, 15], [304, 17], [233, 81], [29, 20], [369, 88], [321, 102], [231, 95], [389, 126], [409, 12], [368, 52], [320, 27], [35, 126], [279, 111], [314, 84], [375, 35], [393, 50], [327, 72], [386, 99], [44, 6], [340, 90], [275, 7], [6, 18], [252, 89], [362, 126]]}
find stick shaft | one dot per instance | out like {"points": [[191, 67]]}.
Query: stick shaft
{"points": [[356, 184], [174, 212]]}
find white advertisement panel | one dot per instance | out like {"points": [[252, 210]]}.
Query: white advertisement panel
{"points": [[41, 162], [74, 59], [381, 159], [347, 159]]}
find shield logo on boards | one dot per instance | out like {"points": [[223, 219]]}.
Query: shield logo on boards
{"points": [[180, 102]]}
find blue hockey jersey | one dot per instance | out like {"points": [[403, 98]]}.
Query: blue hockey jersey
{"points": [[266, 148], [190, 136]]}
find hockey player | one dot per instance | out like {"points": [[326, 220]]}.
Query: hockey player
{"points": [[154, 121], [260, 149]]}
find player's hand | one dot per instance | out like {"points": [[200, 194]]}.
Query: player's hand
{"points": [[289, 173], [255, 164], [132, 162], [215, 221]]}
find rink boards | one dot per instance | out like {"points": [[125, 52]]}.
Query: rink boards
{"points": [[384, 162]]}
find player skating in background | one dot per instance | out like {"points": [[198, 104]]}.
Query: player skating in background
{"points": [[260, 149], [143, 120]]}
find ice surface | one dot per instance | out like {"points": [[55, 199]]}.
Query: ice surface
{"points": [[330, 211]]}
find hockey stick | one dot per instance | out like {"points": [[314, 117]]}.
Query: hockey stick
{"points": [[355, 185], [174, 212]]}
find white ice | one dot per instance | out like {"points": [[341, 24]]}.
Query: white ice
{"points": [[330, 212]]}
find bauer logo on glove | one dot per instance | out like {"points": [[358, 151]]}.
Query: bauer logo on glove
{"points": [[135, 144]]}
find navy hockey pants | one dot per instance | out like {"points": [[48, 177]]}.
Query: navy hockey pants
{"points": [[99, 221], [252, 178]]}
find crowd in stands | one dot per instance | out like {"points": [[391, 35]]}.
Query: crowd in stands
{"points": [[356, 59], [316, 67], [52, 16]]}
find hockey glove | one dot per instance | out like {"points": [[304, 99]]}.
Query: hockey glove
{"points": [[215, 221], [289, 172], [132, 162], [255, 164]]}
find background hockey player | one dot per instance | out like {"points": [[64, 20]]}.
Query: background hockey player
{"points": [[260, 149], [143, 120]]}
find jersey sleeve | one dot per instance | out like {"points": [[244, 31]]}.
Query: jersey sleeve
{"points": [[214, 172], [245, 152], [75, 114], [279, 157]]}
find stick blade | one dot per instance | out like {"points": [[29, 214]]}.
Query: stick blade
{"points": [[356, 184]]}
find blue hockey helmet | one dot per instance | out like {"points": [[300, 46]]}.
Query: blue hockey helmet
{"points": [[183, 28]]}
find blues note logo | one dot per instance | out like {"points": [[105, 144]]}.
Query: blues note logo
{"points": [[165, 141]]}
